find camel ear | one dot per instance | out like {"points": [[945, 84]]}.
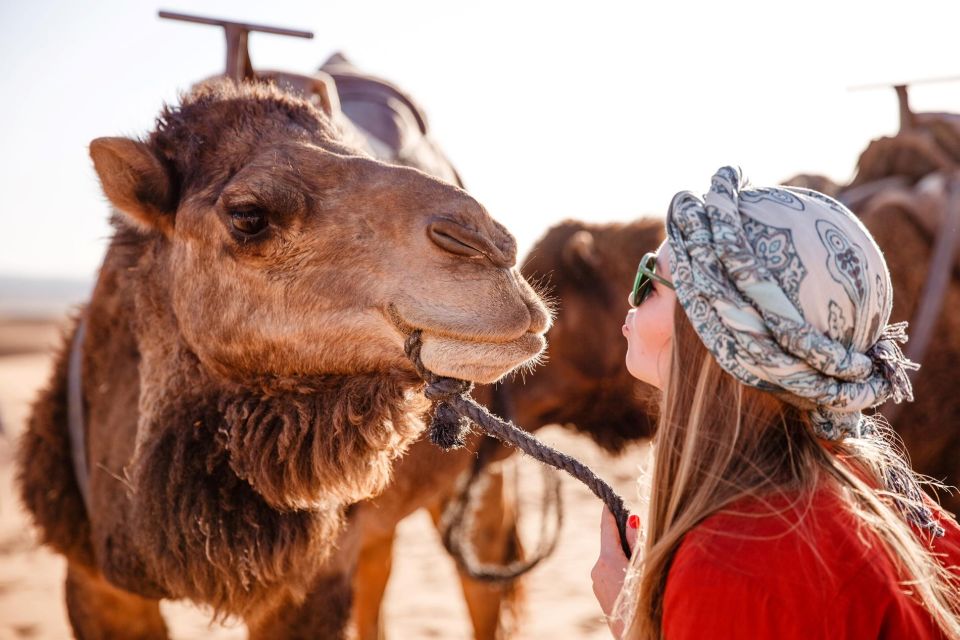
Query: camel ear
{"points": [[580, 255], [135, 181], [324, 89]]}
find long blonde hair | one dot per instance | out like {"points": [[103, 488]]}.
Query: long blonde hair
{"points": [[719, 440]]}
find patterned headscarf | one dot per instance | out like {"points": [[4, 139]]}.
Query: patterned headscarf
{"points": [[790, 293]]}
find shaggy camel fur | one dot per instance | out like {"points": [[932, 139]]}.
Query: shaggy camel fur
{"points": [[244, 378]]}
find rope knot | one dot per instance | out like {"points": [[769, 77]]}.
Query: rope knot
{"points": [[448, 429], [444, 388]]}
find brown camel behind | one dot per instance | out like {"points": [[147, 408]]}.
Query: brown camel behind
{"points": [[902, 193], [243, 374], [588, 270], [930, 425]]}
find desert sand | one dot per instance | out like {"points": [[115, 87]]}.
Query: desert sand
{"points": [[423, 599]]}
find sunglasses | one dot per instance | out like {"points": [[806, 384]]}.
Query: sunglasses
{"points": [[646, 274]]}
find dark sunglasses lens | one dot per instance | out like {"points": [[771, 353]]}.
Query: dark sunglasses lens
{"points": [[640, 290], [644, 292], [641, 287]]}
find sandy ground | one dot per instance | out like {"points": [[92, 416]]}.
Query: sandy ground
{"points": [[423, 599]]}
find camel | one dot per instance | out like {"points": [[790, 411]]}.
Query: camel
{"points": [[928, 425], [244, 384], [584, 384], [377, 116], [905, 190]]}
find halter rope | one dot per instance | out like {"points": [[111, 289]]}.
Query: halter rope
{"points": [[454, 410]]}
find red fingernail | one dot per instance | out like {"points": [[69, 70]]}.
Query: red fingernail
{"points": [[633, 521]]}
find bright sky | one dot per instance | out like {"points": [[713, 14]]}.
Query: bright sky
{"points": [[594, 110]]}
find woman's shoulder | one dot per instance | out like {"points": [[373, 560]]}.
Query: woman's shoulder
{"points": [[822, 541], [752, 533], [801, 566], [781, 539]]}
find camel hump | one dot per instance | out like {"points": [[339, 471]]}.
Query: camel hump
{"points": [[395, 125]]}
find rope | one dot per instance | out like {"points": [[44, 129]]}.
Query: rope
{"points": [[457, 522], [454, 410]]}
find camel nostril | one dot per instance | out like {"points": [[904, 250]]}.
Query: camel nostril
{"points": [[459, 240], [452, 244]]}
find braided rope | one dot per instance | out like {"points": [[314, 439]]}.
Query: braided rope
{"points": [[454, 410], [457, 521]]}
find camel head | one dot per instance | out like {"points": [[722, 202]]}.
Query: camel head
{"points": [[284, 253]]}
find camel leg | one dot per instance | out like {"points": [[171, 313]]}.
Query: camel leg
{"points": [[325, 613], [495, 539], [98, 610], [370, 583]]}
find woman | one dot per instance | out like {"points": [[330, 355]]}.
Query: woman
{"points": [[776, 508]]}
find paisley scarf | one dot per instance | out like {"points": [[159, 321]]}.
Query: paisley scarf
{"points": [[791, 294]]}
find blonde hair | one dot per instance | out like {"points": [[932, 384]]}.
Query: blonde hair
{"points": [[719, 440]]}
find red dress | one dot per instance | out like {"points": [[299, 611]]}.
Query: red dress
{"points": [[807, 572]]}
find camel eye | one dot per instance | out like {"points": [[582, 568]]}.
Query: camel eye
{"points": [[248, 222]]}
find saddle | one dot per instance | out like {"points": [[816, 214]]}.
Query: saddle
{"points": [[371, 113], [388, 117]]}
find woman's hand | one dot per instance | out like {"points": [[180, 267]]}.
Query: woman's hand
{"points": [[611, 567]]}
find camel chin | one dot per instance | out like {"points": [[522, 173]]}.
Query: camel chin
{"points": [[482, 362]]}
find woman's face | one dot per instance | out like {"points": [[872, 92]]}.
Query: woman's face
{"points": [[649, 328]]}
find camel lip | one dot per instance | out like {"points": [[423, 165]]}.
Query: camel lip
{"points": [[480, 362], [405, 329], [525, 340]]}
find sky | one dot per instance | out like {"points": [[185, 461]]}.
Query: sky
{"points": [[550, 110]]}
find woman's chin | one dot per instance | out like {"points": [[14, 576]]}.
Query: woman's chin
{"points": [[641, 373]]}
